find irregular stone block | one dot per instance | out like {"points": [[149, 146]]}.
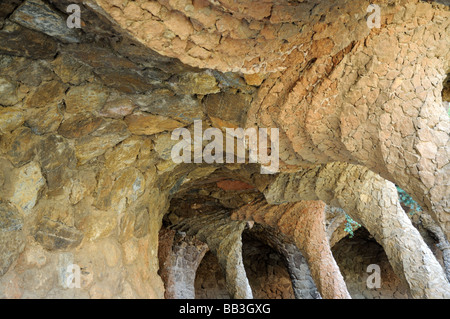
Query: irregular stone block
{"points": [[19, 41], [28, 181], [54, 235], [118, 108], [98, 224], [49, 93], [12, 238], [55, 152], [108, 135], [36, 15], [99, 58], [71, 70], [45, 120], [126, 81], [142, 223], [90, 97], [8, 92], [79, 125], [142, 124], [164, 102], [10, 119], [228, 108], [124, 154], [195, 83], [20, 146]]}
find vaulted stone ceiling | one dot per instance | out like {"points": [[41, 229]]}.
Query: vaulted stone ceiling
{"points": [[86, 118]]}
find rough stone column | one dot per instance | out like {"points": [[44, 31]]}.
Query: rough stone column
{"points": [[304, 222], [223, 237], [302, 282], [180, 266], [443, 243], [374, 203]]}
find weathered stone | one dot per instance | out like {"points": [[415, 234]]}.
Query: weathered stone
{"points": [[118, 108], [97, 224], [82, 184], [19, 41], [142, 223], [8, 7], [195, 83], [86, 98], [55, 152], [183, 108], [99, 58], [20, 146], [130, 251], [54, 235], [125, 81], [12, 237], [46, 120], [147, 124], [231, 80], [164, 145], [228, 108], [28, 181], [10, 119], [36, 15], [254, 79], [122, 192], [9, 94], [106, 136], [124, 154], [49, 93], [71, 71], [79, 126], [126, 226]]}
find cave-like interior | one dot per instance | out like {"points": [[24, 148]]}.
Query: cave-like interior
{"points": [[341, 192]]}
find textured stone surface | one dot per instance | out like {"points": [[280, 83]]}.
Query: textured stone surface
{"points": [[143, 124], [16, 40], [54, 235], [373, 202], [36, 15], [223, 237], [28, 181], [85, 137], [303, 222], [12, 237]]}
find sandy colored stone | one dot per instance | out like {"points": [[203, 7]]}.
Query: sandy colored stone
{"points": [[10, 119], [12, 237], [254, 79], [124, 154], [97, 224], [79, 125], [89, 97], [98, 142], [54, 235], [118, 108], [28, 181], [45, 121], [49, 93], [141, 124]]}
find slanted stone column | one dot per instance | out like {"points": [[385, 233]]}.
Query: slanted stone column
{"points": [[223, 237], [304, 222], [302, 282], [373, 202], [180, 265]]}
